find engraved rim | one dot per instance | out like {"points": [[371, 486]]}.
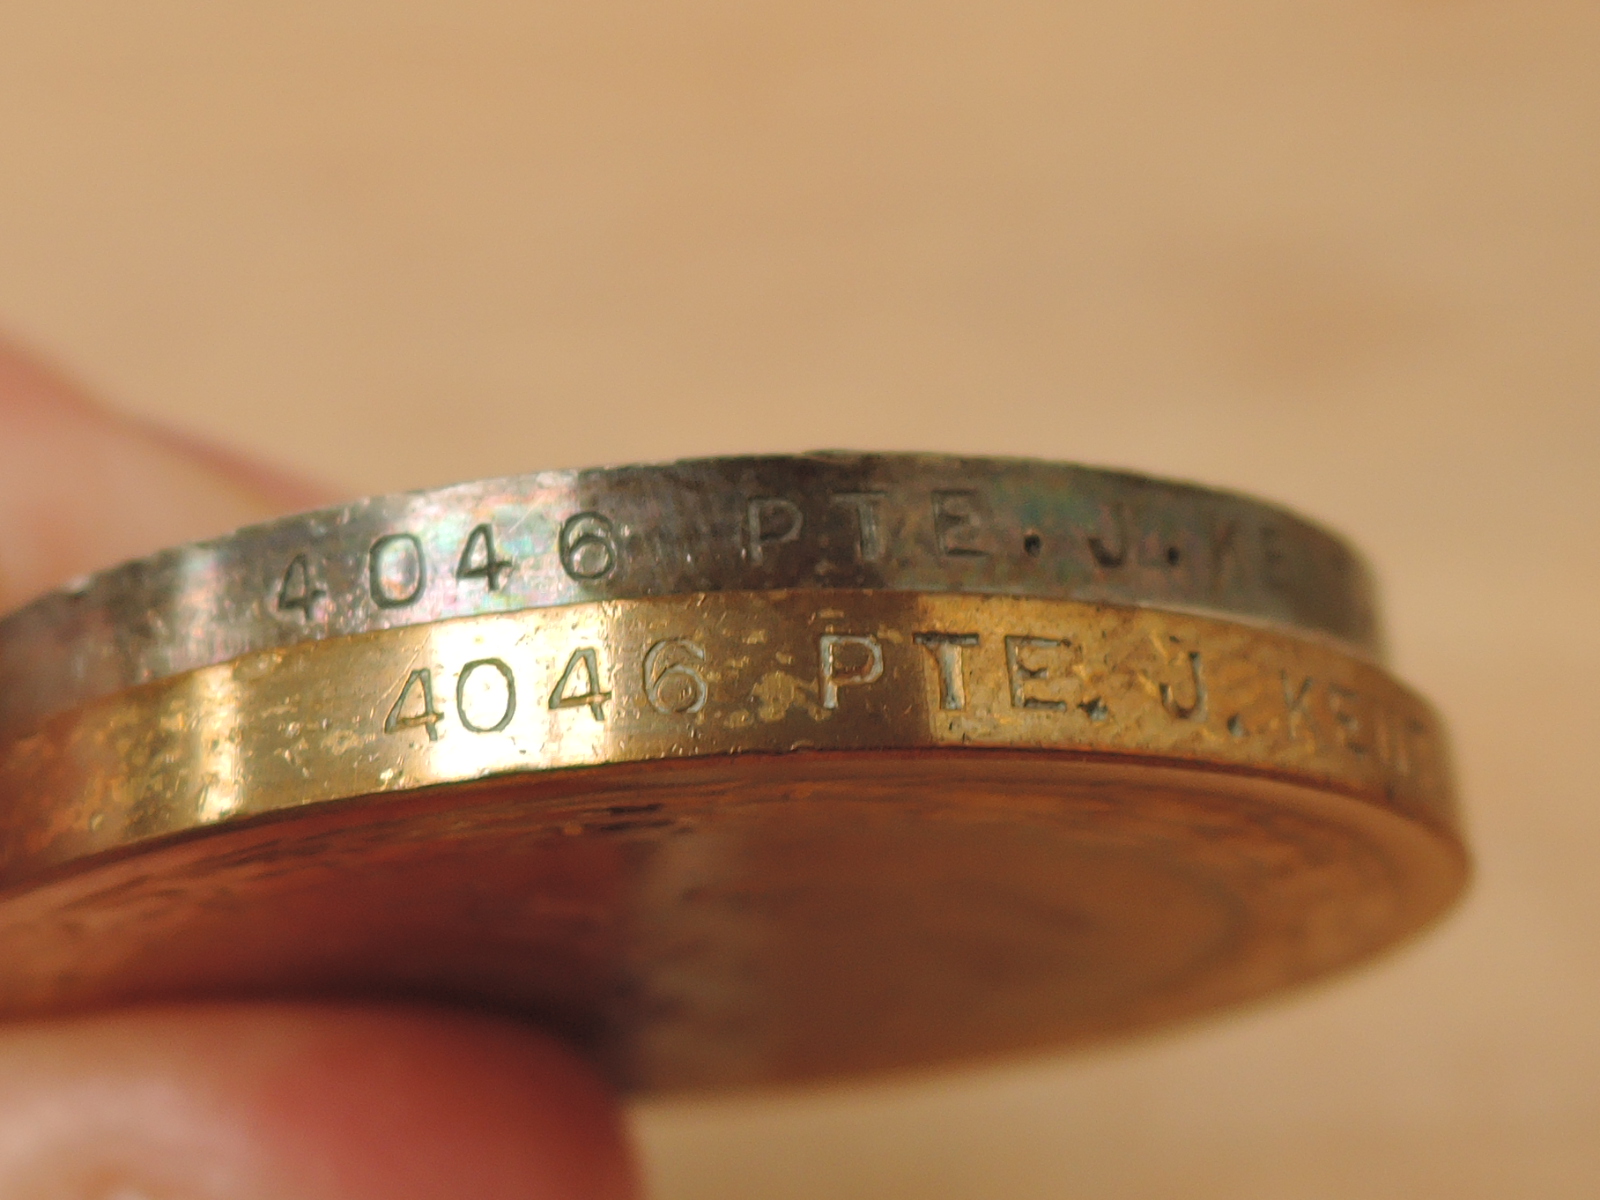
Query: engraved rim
{"points": [[739, 838], [897, 522], [463, 700]]}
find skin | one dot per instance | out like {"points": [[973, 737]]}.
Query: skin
{"points": [[240, 1101]]}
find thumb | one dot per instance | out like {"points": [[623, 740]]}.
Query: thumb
{"points": [[238, 1101], [82, 489]]}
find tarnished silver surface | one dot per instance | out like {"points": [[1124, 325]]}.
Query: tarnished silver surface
{"points": [[901, 522]]}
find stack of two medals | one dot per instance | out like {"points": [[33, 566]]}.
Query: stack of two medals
{"points": [[734, 772]]}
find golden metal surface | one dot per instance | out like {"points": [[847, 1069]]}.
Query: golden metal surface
{"points": [[896, 828]]}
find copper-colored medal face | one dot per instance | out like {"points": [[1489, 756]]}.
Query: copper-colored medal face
{"points": [[738, 837], [745, 920]]}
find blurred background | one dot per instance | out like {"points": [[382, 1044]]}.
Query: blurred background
{"points": [[1344, 256]]}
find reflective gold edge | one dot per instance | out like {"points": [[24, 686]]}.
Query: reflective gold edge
{"points": [[709, 674]]}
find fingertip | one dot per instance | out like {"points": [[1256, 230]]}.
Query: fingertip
{"points": [[428, 1107], [262, 1102], [82, 488]]}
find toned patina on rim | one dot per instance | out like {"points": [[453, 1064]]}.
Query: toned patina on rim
{"points": [[903, 522]]}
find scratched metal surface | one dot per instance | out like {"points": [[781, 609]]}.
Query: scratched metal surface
{"points": [[901, 522]]}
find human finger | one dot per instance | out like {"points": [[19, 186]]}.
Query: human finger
{"points": [[82, 488], [301, 1102], [249, 1102]]}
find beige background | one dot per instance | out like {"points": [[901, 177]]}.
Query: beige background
{"points": [[1344, 255]]}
